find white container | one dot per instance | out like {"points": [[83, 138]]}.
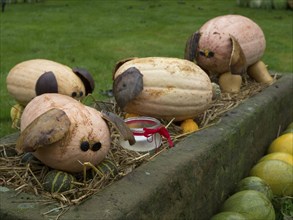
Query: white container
{"points": [[145, 131]]}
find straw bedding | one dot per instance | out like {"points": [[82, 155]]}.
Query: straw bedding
{"points": [[28, 176]]}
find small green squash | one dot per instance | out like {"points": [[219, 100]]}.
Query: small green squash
{"points": [[251, 204], [57, 181], [228, 216], [255, 183], [106, 167]]}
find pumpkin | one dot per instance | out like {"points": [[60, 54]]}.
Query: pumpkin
{"points": [[251, 204], [189, 125], [228, 43], [57, 181], [34, 77], [230, 83], [64, 134], [162, 87], [106, 167], [15, 114]]}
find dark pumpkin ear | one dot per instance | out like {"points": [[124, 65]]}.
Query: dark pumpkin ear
{"points": [[120, 125], [237, 63], [120, 63], [86, 78], [46, 129], [191, 47], [46, 83], [127, 86]]}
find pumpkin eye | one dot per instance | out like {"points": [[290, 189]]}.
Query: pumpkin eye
{"points": [[74, 94], [211, 54], [84, 146], [80, 94], [207, 54], [201, 53], [97, 146]]}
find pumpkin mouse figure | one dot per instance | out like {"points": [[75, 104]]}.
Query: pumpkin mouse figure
{"points": [[31, 78], [162, 87], [229, 46], [64, 134]]}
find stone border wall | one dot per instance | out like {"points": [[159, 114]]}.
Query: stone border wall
{"points": [[189, 181]]}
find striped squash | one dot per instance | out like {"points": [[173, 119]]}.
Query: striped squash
{"points": [[106, 167], [162, 87], [57, 181]]}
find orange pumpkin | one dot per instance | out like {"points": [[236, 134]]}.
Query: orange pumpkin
{"points": [[63, 133]]}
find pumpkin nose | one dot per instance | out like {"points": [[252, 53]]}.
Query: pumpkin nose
{"points": [[206, 53]]}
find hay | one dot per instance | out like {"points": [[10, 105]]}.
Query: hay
{"points": [[28, 177]]}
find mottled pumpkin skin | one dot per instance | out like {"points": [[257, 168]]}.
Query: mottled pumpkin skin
{"points": [[21, 79], [172, 88], [86, 125], [215, 37]]}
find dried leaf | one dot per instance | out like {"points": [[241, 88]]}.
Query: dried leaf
{"points": [[46, 129]]}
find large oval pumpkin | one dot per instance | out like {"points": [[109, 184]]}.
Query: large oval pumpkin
{"points": [[64, 142], [214, 48], [38, 76], [162, 87]]}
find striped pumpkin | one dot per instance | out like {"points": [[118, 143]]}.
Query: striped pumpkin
{"points": [[106, 167], [57, 181], [162, 87]]}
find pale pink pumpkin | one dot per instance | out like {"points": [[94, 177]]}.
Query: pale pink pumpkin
{"points": [[86, 126], [215, 37], [228, 46]]}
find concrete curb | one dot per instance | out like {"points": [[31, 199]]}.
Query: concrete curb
{"points": [[189, 181]]}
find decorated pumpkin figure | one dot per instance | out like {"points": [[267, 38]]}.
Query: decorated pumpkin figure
{"points": [[65, 134], [229, 46], [31, 78], [163, 88]]}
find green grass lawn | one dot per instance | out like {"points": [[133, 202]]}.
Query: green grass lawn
{"points": [[95, 34]]}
